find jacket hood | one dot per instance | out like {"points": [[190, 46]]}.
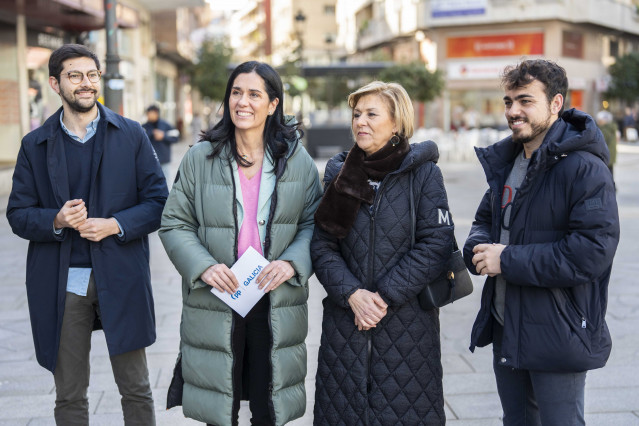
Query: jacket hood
{"points": [[419, 154], [573, 131], [579, 132]]}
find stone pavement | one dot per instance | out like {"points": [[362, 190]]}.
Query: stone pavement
{"points": [[27, 393]]}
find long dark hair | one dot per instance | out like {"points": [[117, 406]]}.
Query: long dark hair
{"points": [[276, 131]]}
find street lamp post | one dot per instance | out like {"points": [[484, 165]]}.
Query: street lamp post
{"points": [[300, 18], [329, 46], [329, 84], [113, 81]]}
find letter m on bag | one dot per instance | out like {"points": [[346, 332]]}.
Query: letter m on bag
{"points": [[443, 217]]}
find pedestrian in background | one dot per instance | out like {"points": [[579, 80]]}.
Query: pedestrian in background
{"points": [[629, 125], [37, 109], [87, 190], [608, 128], [380, 357], [545, 234], [249, 183], [162, 135]]}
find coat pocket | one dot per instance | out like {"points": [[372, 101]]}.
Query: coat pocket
{"points": [[573, 315]]}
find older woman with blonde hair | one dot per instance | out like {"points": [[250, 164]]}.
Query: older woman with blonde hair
{"points": [[383, 231]]}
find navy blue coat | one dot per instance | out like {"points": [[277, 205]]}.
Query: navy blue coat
{"points": [[390, 374], [126, 183], [162, 148], [563, 237]]}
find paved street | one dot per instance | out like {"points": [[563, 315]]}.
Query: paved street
{"points": [[27, 392]]}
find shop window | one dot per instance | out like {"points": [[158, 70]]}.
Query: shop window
{"points": [[576, 99]]}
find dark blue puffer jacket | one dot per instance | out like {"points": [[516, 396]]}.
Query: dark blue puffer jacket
{"points": [[563, 237], [391, 374]]}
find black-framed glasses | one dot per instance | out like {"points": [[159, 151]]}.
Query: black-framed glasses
{"points": [[76, 77]]}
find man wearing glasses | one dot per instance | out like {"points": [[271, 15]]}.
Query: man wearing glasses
{"points": [[87, 190]]}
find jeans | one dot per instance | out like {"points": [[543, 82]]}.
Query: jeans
{"points": [[535, 398], [72, 371]]}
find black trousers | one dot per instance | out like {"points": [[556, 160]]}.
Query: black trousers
{"points": [[252, 369]]}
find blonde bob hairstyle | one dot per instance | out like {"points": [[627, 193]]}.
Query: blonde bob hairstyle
{"points": [[399, 105]]}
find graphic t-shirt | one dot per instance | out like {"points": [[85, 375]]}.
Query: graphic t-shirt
{"points": [[513, 182]]}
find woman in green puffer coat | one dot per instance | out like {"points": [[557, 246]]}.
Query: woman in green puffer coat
{"points": [[250, 183]]}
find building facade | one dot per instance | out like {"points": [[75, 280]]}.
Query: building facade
{"points": [[472, 41], [280, 31], [31, 29]]}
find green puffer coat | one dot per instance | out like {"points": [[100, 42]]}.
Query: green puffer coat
{"points": [[199, 229]]}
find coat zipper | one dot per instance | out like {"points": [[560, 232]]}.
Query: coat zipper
{"points": [[267, 248], [369, 333], [571, 302], [371, 254], [235, 249]]}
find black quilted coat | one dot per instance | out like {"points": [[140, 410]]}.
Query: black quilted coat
{"points": [[391, 374]]}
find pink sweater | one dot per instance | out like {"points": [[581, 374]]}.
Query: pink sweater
{"points": [[249, 232]]}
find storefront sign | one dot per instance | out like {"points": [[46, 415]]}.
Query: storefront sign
{"points": [[46, 40], [495, 45], [446, 8], [476, 70]]}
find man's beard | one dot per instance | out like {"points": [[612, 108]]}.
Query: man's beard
{"points": [[535, 130], [76, 105]]}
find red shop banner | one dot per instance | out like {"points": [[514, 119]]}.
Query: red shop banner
{"points": [[495, 45]]}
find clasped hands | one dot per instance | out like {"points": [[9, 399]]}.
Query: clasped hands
{"points": [[74, 214], [487, 259], [158, 134], [221, 277], [369, 308]]}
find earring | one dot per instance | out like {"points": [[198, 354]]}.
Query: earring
{"points": [[395, 140]]}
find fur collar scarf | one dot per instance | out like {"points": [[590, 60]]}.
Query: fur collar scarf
{"points": [[338, 209]]}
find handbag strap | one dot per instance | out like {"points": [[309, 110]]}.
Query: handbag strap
{"points": [[413, 219], [413, 216]]}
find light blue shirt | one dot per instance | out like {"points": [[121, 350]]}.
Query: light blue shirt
{"points": [[92, 129], [78, 280]]}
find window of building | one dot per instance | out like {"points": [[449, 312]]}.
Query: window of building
{"points": [[614, 48], [329, 9], [329, 38], [572, 44]]}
